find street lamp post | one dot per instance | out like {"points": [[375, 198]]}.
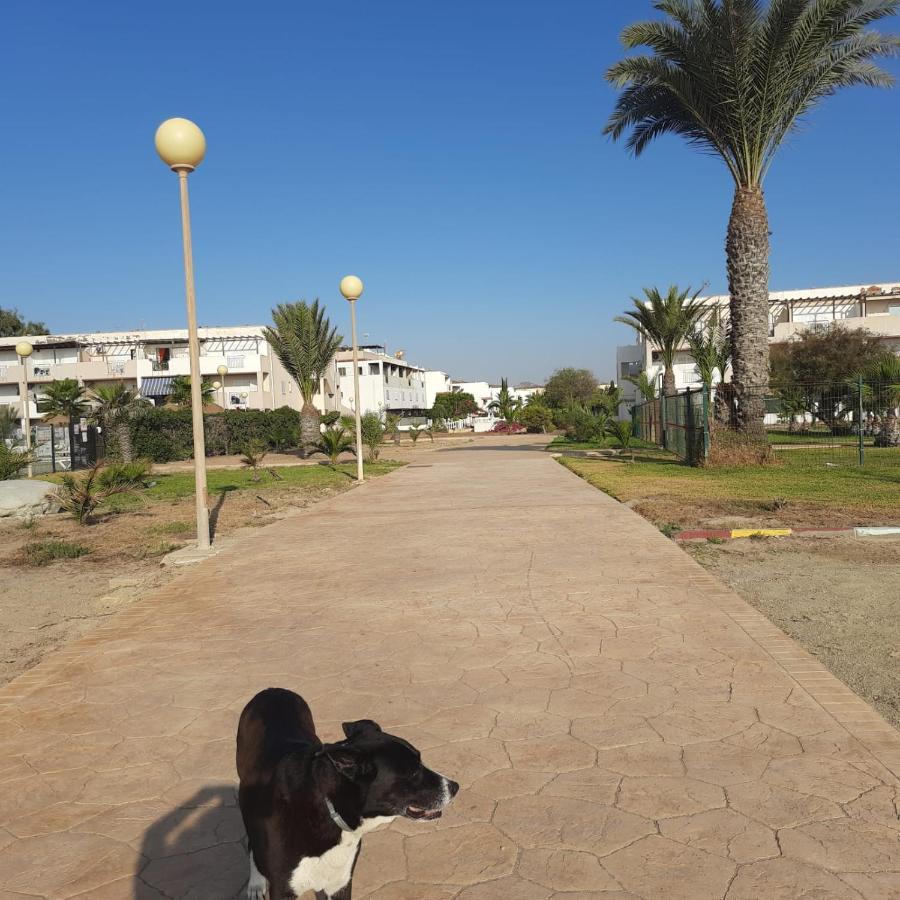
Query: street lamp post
{"points": [[182, 146], [352, 288], [223, 371], [23, 351]]}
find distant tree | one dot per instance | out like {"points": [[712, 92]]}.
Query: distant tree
{"points": [[665, 321], [711, 349], [9, 422], [818, 368], [64, 398], [506, 405], [453, 405], [568, 386], [305, 343], [607, 399], [13, 325]]}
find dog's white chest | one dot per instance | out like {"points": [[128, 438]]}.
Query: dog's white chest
{"points": [[333, 869]]}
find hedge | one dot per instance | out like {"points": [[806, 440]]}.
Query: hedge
{"points": [[164, 435]]}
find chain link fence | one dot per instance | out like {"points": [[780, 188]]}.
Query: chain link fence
{"points": [[851, 423]]}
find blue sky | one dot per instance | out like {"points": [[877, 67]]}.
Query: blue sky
{"points": [[450, 153]]}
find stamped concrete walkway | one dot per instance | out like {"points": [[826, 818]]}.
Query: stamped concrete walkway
{"points": [[622, 725]]}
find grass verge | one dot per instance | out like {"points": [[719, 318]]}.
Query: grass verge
{"points": [[800, 490], [42, 553]]}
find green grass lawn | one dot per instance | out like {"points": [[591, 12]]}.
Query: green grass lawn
{"points": [[823, 438], [179, 485], [800, 475]]}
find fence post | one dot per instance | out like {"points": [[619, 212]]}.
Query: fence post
{"points": [[663, 420], [859, 418], [53, 449], [705, 390]]}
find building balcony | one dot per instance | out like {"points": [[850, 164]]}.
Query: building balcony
{"points": [[45, 373], [879, 325]]}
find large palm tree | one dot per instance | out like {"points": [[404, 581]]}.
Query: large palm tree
{"points": [[305, 342], [735, 77], [114, 406], [664, 321]]}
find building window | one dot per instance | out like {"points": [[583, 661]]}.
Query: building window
{"points": [[283, 389], [630, 369], [234, 362], [342, 371], [374, 369]]}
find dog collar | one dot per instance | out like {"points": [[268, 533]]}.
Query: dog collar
{"points": [[336, 816]]}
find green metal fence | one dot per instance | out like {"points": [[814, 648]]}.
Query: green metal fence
{"points": [[850, 423]]}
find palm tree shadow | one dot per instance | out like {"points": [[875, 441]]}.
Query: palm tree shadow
{"points": [[196, 851]]}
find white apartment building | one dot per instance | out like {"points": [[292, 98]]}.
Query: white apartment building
{"points": [[148, 361], [387, 384], [875, 308], [486, 393], [436, 382]]}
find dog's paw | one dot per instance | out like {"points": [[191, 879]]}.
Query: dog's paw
{"points": [[259, 891]]}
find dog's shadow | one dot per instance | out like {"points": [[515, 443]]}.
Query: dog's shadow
{"points": [[196, 851]]}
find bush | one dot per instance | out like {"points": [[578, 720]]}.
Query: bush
{"points": [[508, 428], [536, 418], [81, 495], [372, 434], [165, 435], [580, 425]]}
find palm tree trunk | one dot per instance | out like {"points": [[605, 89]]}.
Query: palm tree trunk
{"points": [[123, 435], [668, 384], [309, 428], [747, 250]]}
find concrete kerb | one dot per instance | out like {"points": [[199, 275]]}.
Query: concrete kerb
{"points": [[732, 534]]}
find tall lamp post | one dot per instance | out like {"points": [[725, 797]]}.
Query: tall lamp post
{"points": [[223, 371], [352, 288], [182, 146], [23, 351]]}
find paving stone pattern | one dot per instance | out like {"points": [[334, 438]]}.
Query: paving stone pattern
{"points": [[622, 725]]}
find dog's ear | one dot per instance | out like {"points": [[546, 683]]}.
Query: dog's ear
{"points": [[357, 729], [349, 761]]}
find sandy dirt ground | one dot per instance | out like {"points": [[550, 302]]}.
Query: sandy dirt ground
{"points": [[839, 597]]}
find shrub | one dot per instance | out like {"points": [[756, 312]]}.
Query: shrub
{"points": [[414, 432], [508, 428], [165, 435], [580, 425], [372, 434], [536, 418], [42, 553], [253, 454]]}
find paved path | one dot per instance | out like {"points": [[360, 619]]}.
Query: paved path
{"points": [[622, 725]]}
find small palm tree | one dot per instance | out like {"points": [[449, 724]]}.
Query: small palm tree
{"points": [[646, 387], [305, 342], [711, 349], [333, 442], [253, 454], [735, 78], [623, 431], [884, 386], [507, 406], [180, 392], [114, 406], [414, 432], [664, 321], [81, 495]]}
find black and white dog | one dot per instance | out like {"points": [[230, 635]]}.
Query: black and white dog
{"points": [[306, 805]]}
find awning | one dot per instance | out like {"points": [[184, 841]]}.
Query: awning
{"points": [[157, 386]]}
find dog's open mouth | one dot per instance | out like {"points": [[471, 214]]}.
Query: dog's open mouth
{"points": [[418, 812]]}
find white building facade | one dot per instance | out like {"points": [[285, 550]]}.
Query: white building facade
{"points": [[387, 384], [147, 361], [874, 308]]}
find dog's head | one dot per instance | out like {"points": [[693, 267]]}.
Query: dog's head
{"points": [[389, 774]]}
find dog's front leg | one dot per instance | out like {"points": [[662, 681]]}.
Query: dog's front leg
{"points": [[343, 893]]}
